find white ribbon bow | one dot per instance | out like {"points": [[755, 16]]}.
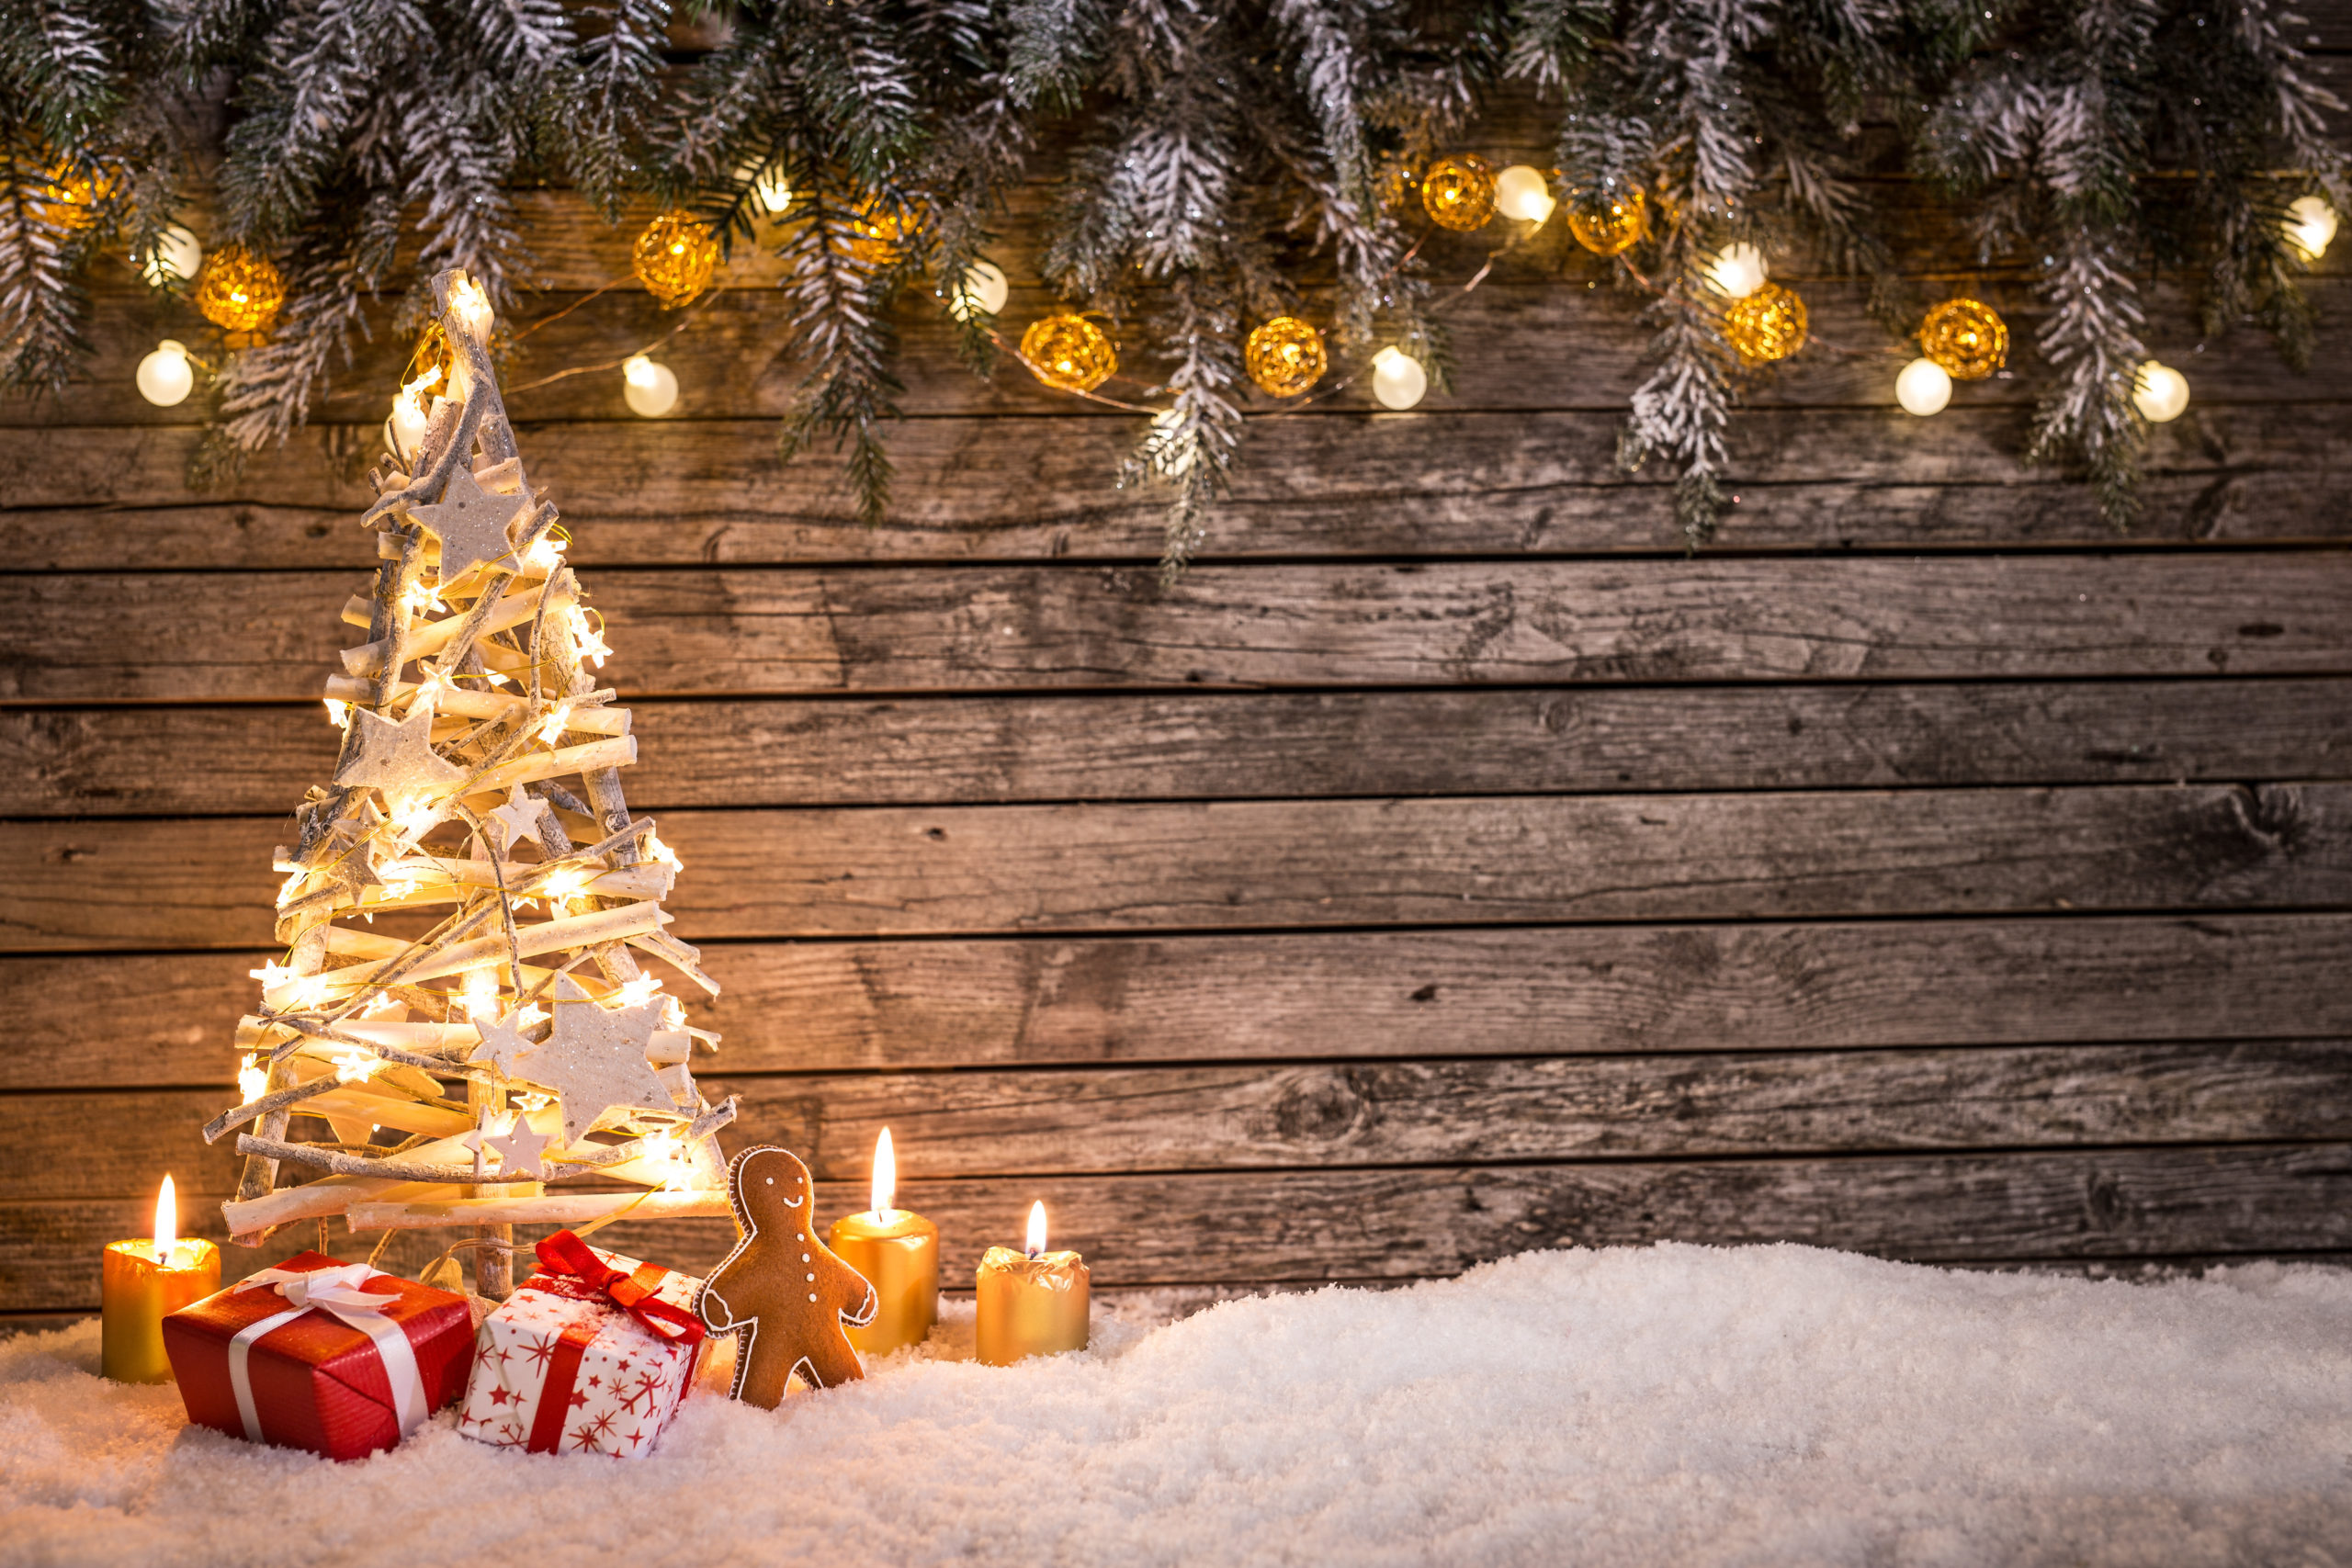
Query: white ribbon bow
{"points": [[336, 1293]]}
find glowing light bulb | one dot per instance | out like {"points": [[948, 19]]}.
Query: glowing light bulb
{"points": [[656, 850], [885, 1187], [771, 189], [175, 259], [355, 1066], [1037, 1239], [2161, 392], [409, 423], [338, 711], [166, 377], [1923, 387], [481, 993], [1397, 378], [568, 883], [663, 1148], [1522, 192], [638, 990], [167, 1221], [589, 639], [983, 292], [2311, 225], [1737, 271], [551, 730], [652, 390], [253, 1079], [545, 554], [471, 306]]}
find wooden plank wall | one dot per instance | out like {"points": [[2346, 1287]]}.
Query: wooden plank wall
{"points": [[1447, 866]]}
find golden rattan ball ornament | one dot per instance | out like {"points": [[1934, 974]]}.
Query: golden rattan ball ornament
{"points": [[674, 259], [239, 290], [1608, 223], [1967, 337], [1768, 325], [71, 198], [1069, 352], [1286, 356], [1458, 192], [875, 234]]}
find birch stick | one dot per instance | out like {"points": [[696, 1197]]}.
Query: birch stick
{"points": [[560, 1208]]}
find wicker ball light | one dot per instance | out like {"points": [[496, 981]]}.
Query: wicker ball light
{"points": [[1458, 192], [239, 290], [675, 257], [1069, 352], [1768, 325], [1284, 357], [1967, 337], [874, 233], [72, 198], [1608, 223]]}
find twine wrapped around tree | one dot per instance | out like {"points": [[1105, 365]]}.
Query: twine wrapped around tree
{"points": [[510, 1040]]}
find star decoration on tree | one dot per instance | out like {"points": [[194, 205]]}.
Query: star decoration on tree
{"points": [[396, 756], [518, 1150], [470, 522], [502, 1044], [594, 1060], [519, 817]]}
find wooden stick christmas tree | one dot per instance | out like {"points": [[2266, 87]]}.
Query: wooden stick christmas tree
{"points": [[508, 1043]]}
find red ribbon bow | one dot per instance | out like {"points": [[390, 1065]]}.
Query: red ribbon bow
{"points": [[564, 1254]]}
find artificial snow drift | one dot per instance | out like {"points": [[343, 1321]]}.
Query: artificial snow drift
{"points": [[1674, 1404]]}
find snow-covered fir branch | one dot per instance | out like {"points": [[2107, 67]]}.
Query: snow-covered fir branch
{"points": [[1213, 163]]}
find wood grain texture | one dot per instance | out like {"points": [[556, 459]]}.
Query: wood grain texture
{"points": [[1109, 1121], [1236, 746], [1261, 1226], [1528, 340], [87, 1021], [1025, 487], [75, 638], [953, 870]]}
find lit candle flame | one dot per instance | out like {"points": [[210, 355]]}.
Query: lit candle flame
{"points": [[1037, 1229], [886, 1178], [167, 1222]]}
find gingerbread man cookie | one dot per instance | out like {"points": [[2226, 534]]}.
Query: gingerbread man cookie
{"points": [[780, 1286]]}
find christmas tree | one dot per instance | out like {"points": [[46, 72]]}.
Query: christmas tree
{"points": [[495, 1038]]}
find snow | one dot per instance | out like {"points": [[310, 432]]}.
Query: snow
{"points": [[1670, 1404]]}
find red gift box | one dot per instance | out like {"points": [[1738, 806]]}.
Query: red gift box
{"points": [[331, 1374]]}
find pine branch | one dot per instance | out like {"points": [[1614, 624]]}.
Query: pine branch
{"points": [[42, 303], [266, 390]]}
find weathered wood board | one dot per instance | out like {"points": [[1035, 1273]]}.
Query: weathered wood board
{"points": [[1450, 864]]}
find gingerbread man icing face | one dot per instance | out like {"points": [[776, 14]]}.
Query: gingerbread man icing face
{"points": [[780, 1286]]}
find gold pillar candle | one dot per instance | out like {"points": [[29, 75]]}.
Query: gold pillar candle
{"points": [[1030, 1305], [142, 1281], [898, 1254]]}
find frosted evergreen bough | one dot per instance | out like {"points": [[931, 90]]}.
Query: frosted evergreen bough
{"points": [[1211, 164]]}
